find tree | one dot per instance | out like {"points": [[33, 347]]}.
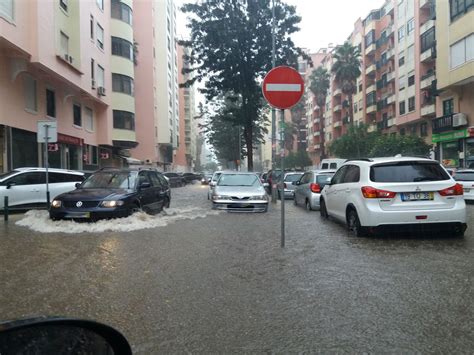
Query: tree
{"points": [[356, 143], [290, 130], [386, 146], [319, 85], [231, 50], [346, 70]]}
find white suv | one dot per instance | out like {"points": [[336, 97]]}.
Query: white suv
{"points": [[26, 187], [372, 195]]}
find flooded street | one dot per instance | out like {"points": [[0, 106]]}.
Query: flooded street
{"points": [[194, 280]]}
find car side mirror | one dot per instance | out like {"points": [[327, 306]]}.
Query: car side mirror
{"points": [[266, 184], [145, 185], [209, 180], [77, 184], [296, 183], [10, 184], [212, 183], [329, 181]]}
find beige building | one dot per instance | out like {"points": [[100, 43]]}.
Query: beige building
{"points": [[453, 129]]}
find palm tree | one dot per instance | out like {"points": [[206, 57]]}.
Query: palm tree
{"points": [[319, 85], [346, 70]]}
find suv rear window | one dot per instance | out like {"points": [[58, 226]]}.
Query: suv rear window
{"points": [[464, 176], [408, 171]]}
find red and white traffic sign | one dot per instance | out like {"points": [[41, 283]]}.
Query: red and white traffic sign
{"points": [[283, 87]]}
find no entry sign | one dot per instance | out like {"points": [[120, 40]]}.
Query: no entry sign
{"points": [[283, 87]]}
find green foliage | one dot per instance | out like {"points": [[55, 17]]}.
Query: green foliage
{"points": [[319, 84], [295, 160], [231, 51], [210, 167], [358, 143]]}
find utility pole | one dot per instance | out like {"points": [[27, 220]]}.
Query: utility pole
{"points": [[274, 192]]}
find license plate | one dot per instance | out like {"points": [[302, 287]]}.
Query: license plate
{"points": [[78, 215], [417, 196]]}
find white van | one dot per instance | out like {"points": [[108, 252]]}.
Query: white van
{"points": [[331, 164]]}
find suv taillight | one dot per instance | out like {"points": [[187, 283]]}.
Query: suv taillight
{"points": [[372, 192], [284, 185], [315, 188], [455, 190]]}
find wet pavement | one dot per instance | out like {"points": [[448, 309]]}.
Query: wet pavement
{"points": [[221, 283]]}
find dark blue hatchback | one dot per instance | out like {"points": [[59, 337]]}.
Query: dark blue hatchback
{"points": [[111, 193]]}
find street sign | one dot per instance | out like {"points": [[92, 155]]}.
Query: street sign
{"points": [[283, 87], [47, 132]]}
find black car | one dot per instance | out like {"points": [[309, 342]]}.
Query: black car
{"points": [[110, 193], [191, 177], [175, 179]]}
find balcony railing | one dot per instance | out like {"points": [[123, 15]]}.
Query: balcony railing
{"points": [[428, 55], [428, 110], [426, 26], [442, 124], [337, 108], [337, 92]]}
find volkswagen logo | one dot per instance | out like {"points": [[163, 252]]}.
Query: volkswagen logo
{"points": [[417, 189], [79, 204]]}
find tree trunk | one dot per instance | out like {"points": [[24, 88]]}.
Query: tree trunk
{"points": [[351, 109], [248, 133]]}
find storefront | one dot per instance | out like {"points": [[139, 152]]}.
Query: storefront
{"points": [[455, 149], [23, 150]]}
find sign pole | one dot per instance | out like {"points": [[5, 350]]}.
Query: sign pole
{"points": [[46, 162], [282, 185], [274, 193]]}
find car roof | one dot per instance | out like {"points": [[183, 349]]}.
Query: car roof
{"points": [[51, 170], [322, 172], [465, 171], [381, 160], [238, 173]]}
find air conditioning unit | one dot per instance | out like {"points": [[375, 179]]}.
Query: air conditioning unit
{"points": [[93, 84], [459, 119], [101, 91]]}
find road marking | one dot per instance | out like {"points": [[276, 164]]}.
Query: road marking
{"points": [[283, 87]]}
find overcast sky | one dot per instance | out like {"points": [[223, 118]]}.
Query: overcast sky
{"points": [[323, 21]]}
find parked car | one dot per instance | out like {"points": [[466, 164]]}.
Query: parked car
{"points": [[206, 179], [239, 192], [273, 176], [308, 188], [213, 183], [373, 195], [331, 164], [466, 178], [110, 193], [288, 184], [26, 187], [175, 180]]}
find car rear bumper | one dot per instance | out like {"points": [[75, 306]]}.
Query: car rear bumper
{"points": [[89, 214], [249, 206], [422, 228], [289, 194]]}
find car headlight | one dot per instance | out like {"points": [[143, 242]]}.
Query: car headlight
{"points": [[220, 197], [261, 197], [56, 203], [111, 204]]}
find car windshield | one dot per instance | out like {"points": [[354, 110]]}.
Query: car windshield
{"points": [[238, 180], [411, 171], [216, 176], [7, 175], [464, 176], [110, 180], [293, 177]]}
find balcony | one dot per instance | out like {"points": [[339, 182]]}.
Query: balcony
{"points": [[426, 26], [425, 4], [337, 92], [370, 69], [390, 53], [316, 120], [337, 108], [390, 99], [337, 124], [372, 128], [372, 108], [389, 8], [370, 88], [369, 50], [390, 76], [316, 134], [391, 121], [428, 110], [427, 80], [317, 146], [428, 55]]}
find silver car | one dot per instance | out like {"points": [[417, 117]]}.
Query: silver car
{"points": [[308, 188], [239, 192], [212, 183], [288, 186]]}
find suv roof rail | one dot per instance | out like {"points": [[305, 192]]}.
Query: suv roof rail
{"points": [[359, 159]]}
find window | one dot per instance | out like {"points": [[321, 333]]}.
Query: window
{"points": [[360, 87], [410, 26], [100, 3], [401, 107], [122, 83], [458, 8], [124, 120], [339, 176], [424, 129], [401, 9], [122, 47], [352, 174], [92, 69], [410, 54], [100, 76], [88, 119], [411, 104], [370, 98], [401, 33], [29, 85], [369, 38], [401, 61], [411, 79], [64, 43], [63, 4], [462, 51], [121, 11], [156, 182], [402, 131], [100, 37], [31, 178], [77, 119], [410, 171], [6, 9], [448, 107], [355, 107], [50, 103], [92, 27], [401, 82], [360, 105], [427, 40]]}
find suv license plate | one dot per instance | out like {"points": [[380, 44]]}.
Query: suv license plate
{"points": [[417, 196], [78, 215]]}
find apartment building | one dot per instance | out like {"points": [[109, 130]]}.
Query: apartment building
{"points": [[55, 66], [453, 127]]}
